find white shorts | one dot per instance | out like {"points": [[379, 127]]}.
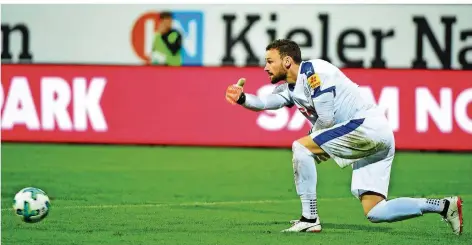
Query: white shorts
{"points": [[368, 145]]}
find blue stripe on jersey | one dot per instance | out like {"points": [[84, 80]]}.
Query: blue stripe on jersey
{"points": [[338, 132], [307, 69], [317, 92]]}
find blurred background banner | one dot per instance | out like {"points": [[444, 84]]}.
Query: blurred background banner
{"points": [[361, 36], [428, 110], [113, 73]]}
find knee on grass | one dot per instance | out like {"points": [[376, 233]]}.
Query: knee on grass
{"points": [[378, 213]]}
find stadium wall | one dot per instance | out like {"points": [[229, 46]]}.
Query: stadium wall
{"points": [[57, 86], [427, 109]]}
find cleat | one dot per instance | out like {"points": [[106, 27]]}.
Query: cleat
{"points": [[304, 225], [454, 214]]}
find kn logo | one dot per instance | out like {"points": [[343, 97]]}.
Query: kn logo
{"points": [[169, 38]]}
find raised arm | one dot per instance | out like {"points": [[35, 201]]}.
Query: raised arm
{"points": [[235, 95], [267, 102]]}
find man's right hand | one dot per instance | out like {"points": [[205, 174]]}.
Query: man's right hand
{"points": [[321, 157], [234, 91]]}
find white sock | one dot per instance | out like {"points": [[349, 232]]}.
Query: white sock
{"points": [[403, 208], [305, 179], [430, 205], [309, 207]]}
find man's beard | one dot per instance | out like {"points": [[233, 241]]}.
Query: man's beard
{"points": [[279, 77]]}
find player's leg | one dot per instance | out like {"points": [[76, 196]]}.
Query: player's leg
{"points": [[370, 181], [310, 145], [305, 177], [401, 208], [306, 151], [378, 210], [369, 200], [368, 144]]}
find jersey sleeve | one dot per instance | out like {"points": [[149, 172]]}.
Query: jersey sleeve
{"points": [[282, 90], [279, 98], [322, 93]]}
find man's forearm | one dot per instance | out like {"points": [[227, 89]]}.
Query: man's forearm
{"points": [[255, 103]]}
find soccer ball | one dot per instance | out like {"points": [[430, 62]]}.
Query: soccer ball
{"points": [[31, 204]]}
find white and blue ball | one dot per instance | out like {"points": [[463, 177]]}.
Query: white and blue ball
{"points": [[31, 204]]}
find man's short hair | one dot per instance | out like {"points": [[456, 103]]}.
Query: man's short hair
{"points": [[286, 48], [166, 15]]}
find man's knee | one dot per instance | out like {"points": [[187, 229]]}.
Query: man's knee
{"points": [[309, 144], [373, 205], [296, 145], [377, 213], [300, 148]]}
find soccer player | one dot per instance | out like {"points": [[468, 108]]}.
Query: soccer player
{"points": [[167, 45], [347, 128]]}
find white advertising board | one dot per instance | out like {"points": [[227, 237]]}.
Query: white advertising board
{"points": [[392, 36]]}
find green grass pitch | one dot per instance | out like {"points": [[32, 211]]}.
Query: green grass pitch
{"points": [[118, 195]]}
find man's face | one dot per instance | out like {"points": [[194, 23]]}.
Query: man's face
{"points": [[274, 66], [166, 24]]}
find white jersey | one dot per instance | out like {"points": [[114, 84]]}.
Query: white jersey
{"points": [[324, 95]]}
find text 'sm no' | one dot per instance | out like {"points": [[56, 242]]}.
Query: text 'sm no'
{"points": [[16, 43]]}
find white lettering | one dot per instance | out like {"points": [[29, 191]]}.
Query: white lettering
{"points": [[55, 98], [19, 106], [460, 110], [87, 104], [149, 27], [441, 113], [190, 43]]}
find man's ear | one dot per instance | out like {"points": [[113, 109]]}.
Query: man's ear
{"points": [[287, 62]]}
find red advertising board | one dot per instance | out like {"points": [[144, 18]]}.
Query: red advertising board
{"points": [[429, 110]]}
